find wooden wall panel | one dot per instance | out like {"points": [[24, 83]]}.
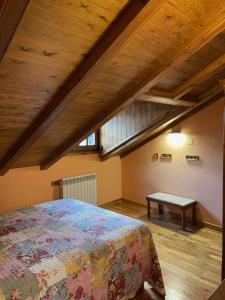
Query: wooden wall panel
{"points": [[130, 121]]}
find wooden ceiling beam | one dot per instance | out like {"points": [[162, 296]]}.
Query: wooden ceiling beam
{"points": [[11, 12], [141, 87], [165, 100], [222, 83], [152, 134], [135, 14], [200, 77], [212, 92], [160, 93]]}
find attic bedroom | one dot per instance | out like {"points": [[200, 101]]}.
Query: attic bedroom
{"points": [[112, 149]]}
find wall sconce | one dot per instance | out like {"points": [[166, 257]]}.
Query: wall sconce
{"points": [[176, 139]]}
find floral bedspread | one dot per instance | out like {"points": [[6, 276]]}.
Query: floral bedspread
{"points": [[67, 249]]}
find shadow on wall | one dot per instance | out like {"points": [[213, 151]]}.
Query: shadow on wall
{"points": [[204, 214], [198, 163], [56, 192]]}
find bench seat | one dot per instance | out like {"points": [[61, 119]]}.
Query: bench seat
{"points": [[181, 202]]}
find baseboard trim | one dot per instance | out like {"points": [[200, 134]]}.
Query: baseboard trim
{"points": [[133, 202], [154, 210], [213, 226], [111, 202]]}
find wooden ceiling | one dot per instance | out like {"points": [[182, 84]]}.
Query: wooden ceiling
{"points": [[72, 65]]}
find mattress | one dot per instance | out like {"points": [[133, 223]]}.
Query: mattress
{"points": [[67, 249]]}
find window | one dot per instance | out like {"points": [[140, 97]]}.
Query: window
{"points": [[90, 141], [89, 145]]}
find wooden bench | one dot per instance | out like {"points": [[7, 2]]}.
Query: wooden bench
{"points": [[181, 202]]}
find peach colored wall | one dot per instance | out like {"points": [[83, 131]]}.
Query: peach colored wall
{"points": [[27, 186], [198, 180]]}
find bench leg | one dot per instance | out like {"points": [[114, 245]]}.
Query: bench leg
{"points": [[194, 215], [160, 209], [142, 288], [183, 219], [149, 209]]}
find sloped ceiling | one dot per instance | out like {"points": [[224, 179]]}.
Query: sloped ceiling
{"points": [[55, 36]]}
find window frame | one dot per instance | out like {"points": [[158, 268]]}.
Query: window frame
{"points": [[87, 145], [86, 149]]}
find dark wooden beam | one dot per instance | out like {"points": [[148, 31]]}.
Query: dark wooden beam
{"points": [[212, 92], [168, 125], [141, 87], [11, 12], [200, 77], [135, 14], [83, 152], [161, 93]]}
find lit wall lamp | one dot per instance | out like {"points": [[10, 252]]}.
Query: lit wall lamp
{"points": [[176, 139]]}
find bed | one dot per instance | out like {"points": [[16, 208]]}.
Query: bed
{"points": [[67, 249]]}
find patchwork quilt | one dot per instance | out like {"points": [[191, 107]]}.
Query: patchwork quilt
{"points": [[67, 249]]}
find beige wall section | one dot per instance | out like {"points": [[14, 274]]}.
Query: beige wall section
{"points": [[28, 186], [199, 180]]}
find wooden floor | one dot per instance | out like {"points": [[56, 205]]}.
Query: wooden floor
{"points": [[190, 262]]}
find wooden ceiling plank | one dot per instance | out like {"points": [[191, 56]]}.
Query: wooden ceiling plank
{"points": [[222, 83], [150, 135], [11, 13], [212, 92], [135, 14], [200, 77], [165, 100], [141, 87]]}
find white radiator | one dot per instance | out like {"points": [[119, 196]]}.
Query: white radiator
{"points": [[81, 188]]}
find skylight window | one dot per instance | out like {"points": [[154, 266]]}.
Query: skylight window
{"points": [[90, 141]]}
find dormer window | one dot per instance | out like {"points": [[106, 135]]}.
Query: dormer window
{"points": [[89, 141]]}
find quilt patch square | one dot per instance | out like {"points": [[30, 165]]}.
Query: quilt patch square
{"points": [[48, 272]]}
